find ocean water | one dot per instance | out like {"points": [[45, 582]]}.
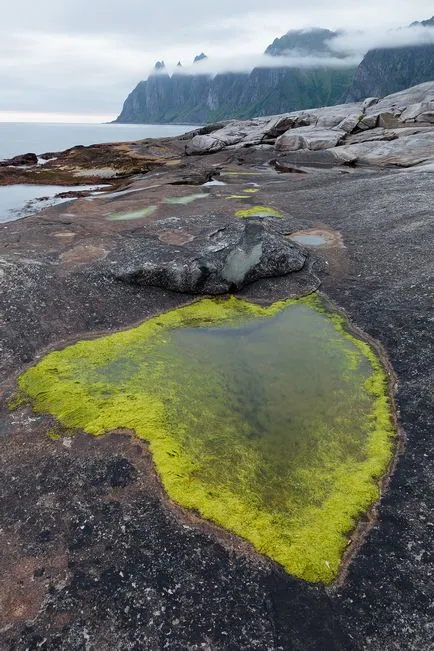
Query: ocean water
{"points": [[22, 137], [17, 201]]}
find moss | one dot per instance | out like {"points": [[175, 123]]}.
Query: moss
{"points": [[53, 434], [251, 190], [258, 211], [237, 196], [19, 399], [273, 422]]}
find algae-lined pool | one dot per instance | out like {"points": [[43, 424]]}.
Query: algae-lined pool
{"points": [[272, 422]]}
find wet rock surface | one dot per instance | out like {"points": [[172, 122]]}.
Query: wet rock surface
{"points": [[93, 553]]}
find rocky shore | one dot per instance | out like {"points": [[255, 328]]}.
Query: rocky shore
{"points": [[94, 554]]}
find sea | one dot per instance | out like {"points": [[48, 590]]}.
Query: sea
{"points": [[22, 137], [19, 201]]}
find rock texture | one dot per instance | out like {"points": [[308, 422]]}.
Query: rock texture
{"points": [[397, 130], [93, 554], [216, 261]]}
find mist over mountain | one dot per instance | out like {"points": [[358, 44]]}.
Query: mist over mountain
{"points": [[300, 70], [387, 70]]}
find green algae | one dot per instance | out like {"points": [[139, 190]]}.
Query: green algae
{"points": [[272, 422], [136, 214], [258, 211]]}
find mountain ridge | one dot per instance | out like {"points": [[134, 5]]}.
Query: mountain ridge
{"points": [[201, 98]]}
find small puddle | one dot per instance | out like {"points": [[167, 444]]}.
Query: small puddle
{"points": [[310, 240], [132, 215], [22, 200], [272, 422], [185, 200]]}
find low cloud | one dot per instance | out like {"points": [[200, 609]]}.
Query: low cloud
{"points": [[359, 42], [247, 63]]}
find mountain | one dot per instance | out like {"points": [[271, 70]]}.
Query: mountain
{"points": [[387, 70], [201, 98], [314, 42]]}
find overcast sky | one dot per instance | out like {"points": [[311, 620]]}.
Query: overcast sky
{"points": [[84, 56]]}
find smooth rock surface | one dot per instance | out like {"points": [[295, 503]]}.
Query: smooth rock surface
{"points": [[309, 138]]}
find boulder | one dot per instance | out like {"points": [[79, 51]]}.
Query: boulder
{"points": [[309, 138], [368, 102], [368, 122], [216, 261], [350, 123], [204, 145]]}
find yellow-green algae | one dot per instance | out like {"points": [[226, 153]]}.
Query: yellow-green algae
{"points": [[273, 422], [258, 211]]}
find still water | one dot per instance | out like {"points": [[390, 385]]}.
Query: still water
{"points": [[261, 419]]}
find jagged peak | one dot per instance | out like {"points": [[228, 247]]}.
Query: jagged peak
{"points": [[179, 64], [199, 57], [160, 65], [424, 23]]}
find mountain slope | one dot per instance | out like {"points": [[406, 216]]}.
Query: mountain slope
{"points": [[387, 70], [203, 98]]}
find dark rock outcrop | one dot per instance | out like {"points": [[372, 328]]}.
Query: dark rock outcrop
{"points": [[22, 159], [217, 261]]}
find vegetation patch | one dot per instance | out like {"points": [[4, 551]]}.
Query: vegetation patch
{"points": [[272, 422], [259, 211]]}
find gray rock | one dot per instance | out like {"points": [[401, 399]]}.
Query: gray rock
{"points": [[428, 116], [216, 261], [309, 138], [388, 119], [368, 102], [370, 135], [368, 122], [203, 145], [413, 111], [404, 151], [400, 101], [350, 123]]}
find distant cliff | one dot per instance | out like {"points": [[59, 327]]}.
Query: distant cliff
{"points": [[197, 98], [201, 98], [387, 70]]}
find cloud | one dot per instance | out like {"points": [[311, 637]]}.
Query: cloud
{"points": [[246, 63], [85, 56], [359, 42]]}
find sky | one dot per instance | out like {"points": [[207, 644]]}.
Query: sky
{"points": [[81, 58]]}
